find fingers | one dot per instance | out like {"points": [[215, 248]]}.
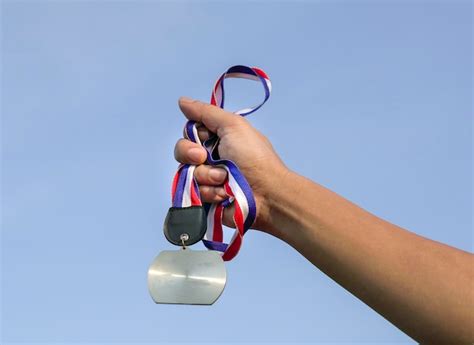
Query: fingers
{"points": [[188, 152], [213, 194], [214, 118], [208, 175], [210, 179], [228, 216]]}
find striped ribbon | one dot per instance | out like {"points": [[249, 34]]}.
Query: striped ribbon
{"points": [[185, 191]]}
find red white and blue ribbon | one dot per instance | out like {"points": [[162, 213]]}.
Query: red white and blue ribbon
{"points": [[185, 190]]}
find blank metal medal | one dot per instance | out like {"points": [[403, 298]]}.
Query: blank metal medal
{"points": [[187, 277]]}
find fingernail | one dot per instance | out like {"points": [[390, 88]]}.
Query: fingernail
{"points": [[185, 99], [195, 154], [217, 174]]}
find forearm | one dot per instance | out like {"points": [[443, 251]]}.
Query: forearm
{"points": [[421, 286]]}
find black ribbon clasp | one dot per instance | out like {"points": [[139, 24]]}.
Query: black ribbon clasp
{"points": [[181, 221]]}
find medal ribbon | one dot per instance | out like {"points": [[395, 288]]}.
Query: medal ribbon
{"points": [[185, 190]]}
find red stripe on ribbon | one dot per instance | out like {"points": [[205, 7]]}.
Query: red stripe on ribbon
{"points": [[260, 72], [218, 234], [234, 247], [175, 184]]}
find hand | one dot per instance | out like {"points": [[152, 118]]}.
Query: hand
{"points": [[240, 143]]}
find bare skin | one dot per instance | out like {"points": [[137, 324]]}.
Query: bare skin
{"points": [[423, 287]]}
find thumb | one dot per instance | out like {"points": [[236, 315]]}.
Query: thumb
{"points": [[214, 118]]}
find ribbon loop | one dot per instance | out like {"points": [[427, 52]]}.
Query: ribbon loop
{"points": [[185, 190]]}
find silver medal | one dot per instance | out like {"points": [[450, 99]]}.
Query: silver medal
{"points": [[187, 277]]}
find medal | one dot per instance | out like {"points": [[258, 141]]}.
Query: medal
{"points": [[186, 276]]}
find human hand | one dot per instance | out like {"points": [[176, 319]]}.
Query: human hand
{"points": [[240, 143]]}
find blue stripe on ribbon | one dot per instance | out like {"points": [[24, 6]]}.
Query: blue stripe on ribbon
{"points": [[241, 69], [189, 130], [213, 245]]}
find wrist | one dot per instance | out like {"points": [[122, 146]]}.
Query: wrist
{"points": [[278, 193]]}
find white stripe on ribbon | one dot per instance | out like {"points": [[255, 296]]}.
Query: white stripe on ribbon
{"points": [[187, 187], [210, 223], [196, 136]]}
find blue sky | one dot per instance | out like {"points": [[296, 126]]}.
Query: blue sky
{"points": [[371, 99]]}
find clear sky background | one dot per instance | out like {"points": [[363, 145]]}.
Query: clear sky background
{"points": [[371, 99]]}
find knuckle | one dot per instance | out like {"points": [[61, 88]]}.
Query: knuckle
{"points": [[180, 144], [207, 106], [179, 148], [199, 105], [200, 173], [206, 109], [242, 121], [205, 192]]}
